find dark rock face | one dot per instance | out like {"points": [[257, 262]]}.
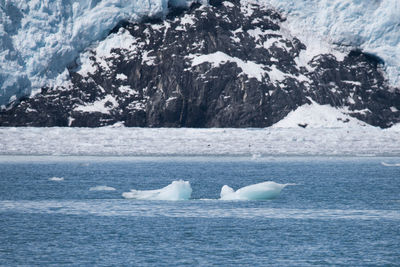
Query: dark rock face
{"points": [[222, 65]]}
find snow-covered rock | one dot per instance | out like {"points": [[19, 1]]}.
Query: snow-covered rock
{"points": [[39, 39], [230, 64], [314, 115]]}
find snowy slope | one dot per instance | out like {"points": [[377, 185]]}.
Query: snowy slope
{"points": [[319, 116]]}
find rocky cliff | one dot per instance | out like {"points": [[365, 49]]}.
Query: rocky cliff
{"points": [[227, 64]]}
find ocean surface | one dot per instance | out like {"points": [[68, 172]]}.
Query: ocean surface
{"points": [[70, 211]]}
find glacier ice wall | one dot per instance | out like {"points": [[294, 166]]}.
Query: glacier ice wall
{"points": [[39, 38], [372, 26]]}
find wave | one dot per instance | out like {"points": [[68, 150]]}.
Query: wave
{"points": [[56, 179], [260, 191], [102, 188], [390, 164], [177, 190]]}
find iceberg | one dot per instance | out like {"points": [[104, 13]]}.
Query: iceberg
{"points": [[260, 191], [177, 190]]}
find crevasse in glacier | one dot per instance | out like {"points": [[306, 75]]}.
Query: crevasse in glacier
{"points": [[39, 38]]}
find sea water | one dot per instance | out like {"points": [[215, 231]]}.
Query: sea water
{"points": [[70, 211]]}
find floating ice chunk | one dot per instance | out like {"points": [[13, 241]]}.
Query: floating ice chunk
{"points": [[177, 190], [56, 179], [102, 188], [390, 164], [255, 156], [265, 190]]}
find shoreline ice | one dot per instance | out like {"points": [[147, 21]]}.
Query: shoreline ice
{"points": [[109, 141]]}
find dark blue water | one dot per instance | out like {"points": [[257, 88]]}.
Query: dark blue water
{"points": [[343, 211]]}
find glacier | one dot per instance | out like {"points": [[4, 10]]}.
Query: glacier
{"points": [[370, 26], [39, 39]]}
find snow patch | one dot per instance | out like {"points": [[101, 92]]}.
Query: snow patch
{"points": [[103, 105], [121, 76], [146, 59], [319, 116], [128, 90], [121, 40], [216, 59]]}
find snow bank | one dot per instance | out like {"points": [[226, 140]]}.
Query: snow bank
{"points": [[102, 188], [177, 190], [315, 115], [261, 191]]}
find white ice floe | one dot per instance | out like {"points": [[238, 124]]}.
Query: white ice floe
{"points": [[390, 164], [56, 179], [177, 190], [102, 188], [126, 141], [261, 191]]}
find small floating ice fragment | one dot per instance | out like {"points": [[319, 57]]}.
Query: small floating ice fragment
{"points": [[261, 191], [255, 156], [390, 164], [177, 190], [56, 179], [102, 188]]}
